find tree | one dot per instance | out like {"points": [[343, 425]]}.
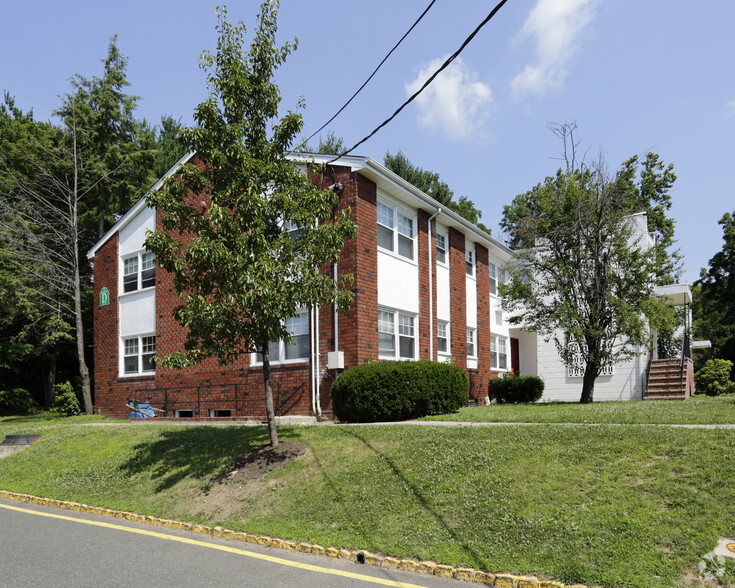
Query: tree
{"points": [[331, 145], [169, 147], [430, 183], [116, 145], [44, 181], [245, 252], [582, 277], [714, 298]]}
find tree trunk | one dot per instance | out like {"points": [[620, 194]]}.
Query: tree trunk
{"points": [[74, 219], [270, 413], [588, 383], [49, 381]]}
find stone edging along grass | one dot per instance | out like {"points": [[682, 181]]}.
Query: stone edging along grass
{"points": [[356, 555]]}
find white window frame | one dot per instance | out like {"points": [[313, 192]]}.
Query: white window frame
{"points": [[492, 272], [470, 261], [399, 328], [471, 343], [445, 336], [498, 351], [395, 227], [143, 348], [441, 235], [298, 327], [145, 261]]}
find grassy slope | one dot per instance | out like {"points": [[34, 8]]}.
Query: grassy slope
{"points": [[622, 506]]}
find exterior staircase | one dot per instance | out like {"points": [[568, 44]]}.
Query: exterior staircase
{"points": [[668, 381]]}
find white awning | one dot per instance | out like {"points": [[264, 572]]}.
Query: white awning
{"points": [[675, 294]]}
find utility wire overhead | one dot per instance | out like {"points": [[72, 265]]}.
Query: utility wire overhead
{"points": [[374, 72], [446, 64]]}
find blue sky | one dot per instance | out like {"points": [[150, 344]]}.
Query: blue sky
{"points": [[635, 76]]}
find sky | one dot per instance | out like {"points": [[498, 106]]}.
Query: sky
{"points": [[634, 76]]}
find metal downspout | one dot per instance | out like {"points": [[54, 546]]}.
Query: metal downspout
{"points": [[431, 289]]}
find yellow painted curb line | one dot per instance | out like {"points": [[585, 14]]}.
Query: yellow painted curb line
{"points": [[358, 555]]}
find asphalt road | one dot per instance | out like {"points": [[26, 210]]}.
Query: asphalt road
{"points": [[47, 547]]}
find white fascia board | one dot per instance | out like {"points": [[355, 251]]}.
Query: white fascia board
{"points": [[406, 191], [130, 214]]}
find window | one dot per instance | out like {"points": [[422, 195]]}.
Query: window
{"points": [[219, 412], [137, 280], [298, 349], [497, 277], [139, 354], [395, 231], [442, 335], [294, 230], [441, 248], [498, 353], [469, 256], [391, 323], [471, 342]]}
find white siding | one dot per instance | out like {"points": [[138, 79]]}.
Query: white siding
{"points": [[132, 235], [138, 313], [398, 283]]}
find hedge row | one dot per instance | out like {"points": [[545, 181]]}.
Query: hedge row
{"points": [[512, 389], [398, 390]]}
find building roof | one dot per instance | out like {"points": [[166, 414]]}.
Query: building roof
{"points": [[381, 175]]}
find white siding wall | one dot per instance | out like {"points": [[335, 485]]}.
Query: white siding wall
{"points": [[398, 283], [626, 383], [132, 235]]}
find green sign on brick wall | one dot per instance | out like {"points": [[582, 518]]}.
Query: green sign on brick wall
{"points": [[104, 297]]}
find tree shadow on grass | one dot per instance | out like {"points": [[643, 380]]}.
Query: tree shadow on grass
{"points": [[419, 496], [192, 452]]}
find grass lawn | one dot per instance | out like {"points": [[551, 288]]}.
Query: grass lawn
{"points": [[610, 506], [698, 410]]}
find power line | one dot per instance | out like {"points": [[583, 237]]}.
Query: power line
{"points": [[446, 64], [374, 72]]}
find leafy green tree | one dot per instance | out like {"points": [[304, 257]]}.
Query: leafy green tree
{"points": [[331, 144], [34, 331], [117, 146], [430, 183], [169, 146], [45, 179], [246, 253], [581, 278], [714, 298]]}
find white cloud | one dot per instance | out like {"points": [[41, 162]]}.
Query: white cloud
{"points": [[556, 26], [730, 109], [455, 103]]}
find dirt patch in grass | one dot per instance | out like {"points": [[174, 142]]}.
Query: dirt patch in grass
{"points": [[261, 460], [232, 488]]}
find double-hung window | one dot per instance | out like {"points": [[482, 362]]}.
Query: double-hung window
{"points": [[469, 256], [392, 324], [471, 348], [441, 248], [442, 335], [298, 350], [493, 273], [498, 353], [139, 271], [138, 355], [396, 231]]}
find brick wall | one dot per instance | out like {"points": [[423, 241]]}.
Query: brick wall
{"points": [[458, 297]]}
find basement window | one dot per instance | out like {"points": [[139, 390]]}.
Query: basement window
{"points": [[184, 414], [220, 412]]}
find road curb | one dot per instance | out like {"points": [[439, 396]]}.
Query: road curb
{"points": [[357, 555]]}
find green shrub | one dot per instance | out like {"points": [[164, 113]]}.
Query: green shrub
{"points": [[398, 390], [66, 401], [713, 378], [514, 389], [16, 402]]}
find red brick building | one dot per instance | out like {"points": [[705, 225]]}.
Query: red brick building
{"points": [[425, 285]]}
